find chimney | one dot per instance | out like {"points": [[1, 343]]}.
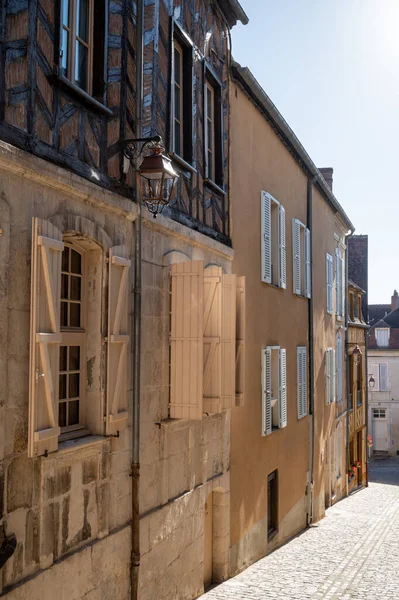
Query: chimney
{"points": [[395, 300], [327, 173]]}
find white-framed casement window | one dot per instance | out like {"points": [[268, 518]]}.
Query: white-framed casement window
{"points": [[66, 327], [182, 95], [339, 283], [274, 389], [338, 450], [273, 246], [382, 336], [82, 37], [329, 283], [302, 395], [339, 366], [381, 377], [301, 255], [213, 127], [330, 375], [207, 340]]}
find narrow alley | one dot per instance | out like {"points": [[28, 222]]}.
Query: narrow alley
{"points": [[352, 553]]}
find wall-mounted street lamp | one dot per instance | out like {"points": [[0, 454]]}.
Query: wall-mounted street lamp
{"points": [[156, 175], [356, 352], [371, 382]]}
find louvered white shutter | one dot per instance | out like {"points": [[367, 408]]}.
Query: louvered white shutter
{"points": [[328, 375], [383, 377], [187, 330], [375, 372], [45, 338], [266, 391], [338, 283], [283, 388], [308, 265], [118, 339], [266, 243], [229, 294], [282, 248], [296, 255], [333, 375], [212, 340], [329, 279], [301, 379], [240, 342]]}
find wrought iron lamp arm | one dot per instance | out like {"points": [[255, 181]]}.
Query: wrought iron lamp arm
{"points": [[133, 148]]}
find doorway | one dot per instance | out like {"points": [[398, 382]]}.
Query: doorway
{"points": [[380, 430]]}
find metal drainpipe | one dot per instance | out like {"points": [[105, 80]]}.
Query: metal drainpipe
{"points": [[135, 470], [366, 342], [311, 182], [347, 364]]}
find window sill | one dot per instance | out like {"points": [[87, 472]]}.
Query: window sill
{"points": [[82, 95], [180, 161], [82, 443], [214, 186]]}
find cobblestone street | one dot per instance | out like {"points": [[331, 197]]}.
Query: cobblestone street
{"points": [[352, 553]]}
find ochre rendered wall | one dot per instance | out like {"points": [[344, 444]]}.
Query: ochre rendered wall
{"points": [[274, 317]]}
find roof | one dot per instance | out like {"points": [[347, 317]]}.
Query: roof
{"points": [[255, 92], [352, 284], [381, 324], [377, 312], [233, 12]]}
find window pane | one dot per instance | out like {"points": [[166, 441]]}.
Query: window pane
{"points": [[177, 137], [74, 358], [76, 262], [65, 259], [76, 291], [73, 413], [74, 315], [210, 135], [74, 385], [62, 415], [65, 12], [82, 19], [63, 359], [81, 66], [64, 53], [64, 286], [177, 103], [210, 166], [63, 383], [209, 102], [177, 66], [64, 314]]}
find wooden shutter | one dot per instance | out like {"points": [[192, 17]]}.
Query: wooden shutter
{"points": [[333, 375], [329, 279], [212, 340], [301, 379], [296, 255], [375, 372], [282, 400], [118, 339], [338, 283], [187, 330], [282, 248], [308, 265], [383, 379], [240, 342], [229, 294], [339, 367], [266, 391], [266, 242], [45, 338]]}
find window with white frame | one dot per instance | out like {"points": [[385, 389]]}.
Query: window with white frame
{"points": [[213, 127], [330, 375], [379, 413], [338, 450], [380, 373], [329, 283], [301, 255], [66, 326], [382, 337], [302, 397], [182, 95], [339, 282], [339, 365], [273, 247], [274, 389]]}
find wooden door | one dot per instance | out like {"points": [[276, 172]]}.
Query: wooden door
{"points": [[208, 545]]}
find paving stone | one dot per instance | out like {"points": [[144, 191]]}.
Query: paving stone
{"points": [[353, 553]]}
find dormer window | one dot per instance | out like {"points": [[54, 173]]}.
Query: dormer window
{"points": [[382, 337]]}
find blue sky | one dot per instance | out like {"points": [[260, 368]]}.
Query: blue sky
{"points": [[332, 69]]}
